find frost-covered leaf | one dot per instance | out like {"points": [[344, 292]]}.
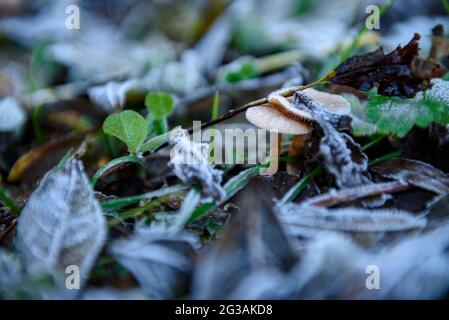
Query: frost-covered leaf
{"points": [[128, 126], [348, 219], [112, 95], [415, 268], [417, 173], [394, 115], [189, 162], [342, 156], [254, 240], [10, 274], [62, 224], [160, 260], [12, 116]]}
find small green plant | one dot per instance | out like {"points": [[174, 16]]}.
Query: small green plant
{"points": [[160, 105], [129, 127]]}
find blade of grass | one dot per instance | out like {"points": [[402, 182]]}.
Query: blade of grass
{"points": [[8, 201], [115, 204], [64, 159], [155, 142], [113, 163], [231, 187]]}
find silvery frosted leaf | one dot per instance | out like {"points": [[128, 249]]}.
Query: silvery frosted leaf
{"points": [[161, 261], [416, 173], [254, 241], [112, 95], [10, 274], [349, 219], [190, 163], [416, 268], [62, 224], [12, 116]]}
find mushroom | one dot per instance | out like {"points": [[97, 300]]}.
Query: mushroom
{"points": [[280, 116]]}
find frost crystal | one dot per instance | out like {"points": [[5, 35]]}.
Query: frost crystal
{"points": [[189, 162]]}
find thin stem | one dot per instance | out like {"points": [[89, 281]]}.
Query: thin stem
{"points": [[114, 163], [255, 103]]}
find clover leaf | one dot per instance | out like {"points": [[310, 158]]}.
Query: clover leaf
{"points": [[129, 127]]}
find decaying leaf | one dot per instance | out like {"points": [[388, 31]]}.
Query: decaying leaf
{"points": [[254, 241], [160, 261], [342, 157], [416, 173], [189, 162], [398, 73], [62, 224]]}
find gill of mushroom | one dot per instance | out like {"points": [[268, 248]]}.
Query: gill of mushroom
{"points": [[280, 116]]}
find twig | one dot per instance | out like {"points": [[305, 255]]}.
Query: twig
{"points": [[255, 103], [352, 194]]}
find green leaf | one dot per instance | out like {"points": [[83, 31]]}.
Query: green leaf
{"points": [[159, 104], [396, 116], [128, 126]]}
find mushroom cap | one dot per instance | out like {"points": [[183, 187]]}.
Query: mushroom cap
{"points": [[331, 102], [268, 118]]}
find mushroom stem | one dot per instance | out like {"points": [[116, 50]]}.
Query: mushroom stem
{"points": [[296, 149], [275, 151]]}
